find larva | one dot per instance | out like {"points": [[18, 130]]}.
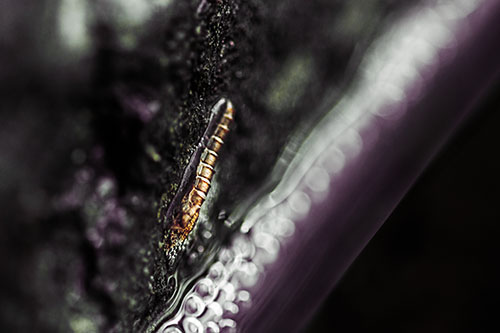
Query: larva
{"points": [[185, 219]]}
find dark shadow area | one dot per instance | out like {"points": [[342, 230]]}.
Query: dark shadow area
{"points": [[433, 266]]}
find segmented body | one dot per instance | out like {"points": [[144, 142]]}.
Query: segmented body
{"points": [[185, 220]]}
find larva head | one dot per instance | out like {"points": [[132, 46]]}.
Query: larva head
{"points": [[229, 110]]}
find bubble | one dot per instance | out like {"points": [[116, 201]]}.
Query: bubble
{"points": [[192, 325], [264, 257], [243, 247], [216, 271], [317, 179], [285, 227], [391, 110], [247, 275], [333, 160], [206, 234], [212, 327], [194, 305], [275, 225], [154, 106], [299, 203], [350, 143], [216, 309], [231, 308], [266, 242], [171, 329], [192, 258], [226, 255], [266, 224], [437, 32], [227, 325], [227, 293], [205, 288], [423, 52], [243, 296]]}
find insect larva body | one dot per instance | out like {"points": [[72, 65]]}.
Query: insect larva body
{"points": [[184, 222]]}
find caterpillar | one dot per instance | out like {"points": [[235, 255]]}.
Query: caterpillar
{"points": [[185, 218]]}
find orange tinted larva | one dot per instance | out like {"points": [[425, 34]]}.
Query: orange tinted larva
{"points": [[184, 222], [221, 131], [215, 144], [209, 157], [205, 170], [202, 184]]}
